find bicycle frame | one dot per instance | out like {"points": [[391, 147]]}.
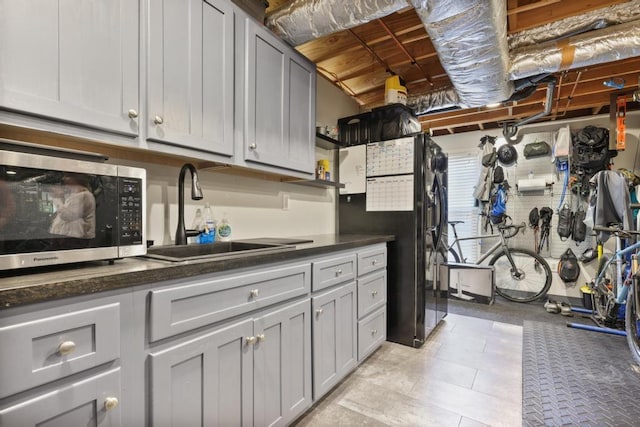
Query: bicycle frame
{"points": [[621, 290], [456, 242]]}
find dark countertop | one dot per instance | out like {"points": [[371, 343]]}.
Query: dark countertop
{"points": [[30, 286]]}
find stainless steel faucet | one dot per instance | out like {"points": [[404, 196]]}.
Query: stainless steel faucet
{"points": [[196, 194]]}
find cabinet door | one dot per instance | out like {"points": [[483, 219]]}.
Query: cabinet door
{"points": [[190, 74], [282, 365], [280, 103], [334, 337], [74, 60], [90, 402], [205, 381]]}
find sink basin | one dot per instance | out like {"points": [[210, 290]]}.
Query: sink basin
{"points": [[217, 250]]}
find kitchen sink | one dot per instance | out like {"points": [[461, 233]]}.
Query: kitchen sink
{"points": [[219, 250]]}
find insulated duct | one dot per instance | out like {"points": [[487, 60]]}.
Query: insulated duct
{"points": [[304, 20], [432, 101], [596, 19], [596, 47], [470, 37]]}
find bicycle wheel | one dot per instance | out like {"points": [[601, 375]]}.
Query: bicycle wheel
{"points": [[632, 324], [602, 296], [453, 254], [530, 280]]}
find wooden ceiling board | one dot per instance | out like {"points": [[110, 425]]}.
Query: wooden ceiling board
{"points": [[343, 59]]}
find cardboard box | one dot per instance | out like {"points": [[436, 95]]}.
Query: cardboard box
{"points": [[469, 282]]}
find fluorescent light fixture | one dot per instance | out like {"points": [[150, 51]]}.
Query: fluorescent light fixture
{"points": [[10, 172], [494, 105]]}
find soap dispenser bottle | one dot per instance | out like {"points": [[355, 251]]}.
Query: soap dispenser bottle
{"points": [[209, 233], [224, 229]]}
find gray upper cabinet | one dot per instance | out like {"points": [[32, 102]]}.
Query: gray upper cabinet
{"points": [[279, 102], [190, 74], [54, 53]]}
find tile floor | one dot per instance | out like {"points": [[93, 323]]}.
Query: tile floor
{"points": [[468, 373]]}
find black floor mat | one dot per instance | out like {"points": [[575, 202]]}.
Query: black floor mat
{"points": [[577, 377]]}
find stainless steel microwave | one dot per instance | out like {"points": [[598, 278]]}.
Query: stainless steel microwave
{"points": [[56, 210]]}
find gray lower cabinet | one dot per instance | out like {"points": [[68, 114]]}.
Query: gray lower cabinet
{"points": [[191, 74], [256, 371], [279, 102], [334, 337], [74, 60], [60, 365]]}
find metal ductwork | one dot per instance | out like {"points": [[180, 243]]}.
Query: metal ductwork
{"points": [[596, 47], [304, 20], [434, 101], [470, 37], [594, 20]]}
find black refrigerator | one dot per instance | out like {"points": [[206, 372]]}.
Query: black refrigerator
{"points": [[405, 194]]}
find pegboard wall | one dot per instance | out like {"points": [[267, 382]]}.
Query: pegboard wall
{"points": [[519, 204]]}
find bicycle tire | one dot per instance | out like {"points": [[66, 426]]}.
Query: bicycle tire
{"points": [[455, 255], [632, 325], [602, 303], [535, 273]]}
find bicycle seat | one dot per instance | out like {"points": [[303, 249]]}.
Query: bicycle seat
{"points": [[455, 222]]}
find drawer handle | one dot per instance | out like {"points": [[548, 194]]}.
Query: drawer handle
{"points": [[66, 347], [251, 340], [374, 293], [319, 311], [110, 403], [374, 262], [339, 272], [374, 331], [261, 338], [254, 293]]}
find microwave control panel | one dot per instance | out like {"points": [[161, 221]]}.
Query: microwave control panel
{"points": [[130, 211]]}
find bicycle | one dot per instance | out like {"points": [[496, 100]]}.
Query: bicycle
{"points": [[606, 299], [610, 288], [520, 275]]}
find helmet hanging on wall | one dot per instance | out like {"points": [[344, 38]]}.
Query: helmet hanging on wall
{"points": [[507, 155]]}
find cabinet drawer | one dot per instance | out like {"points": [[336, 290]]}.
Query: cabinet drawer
{"points": [[83, 403], [372, 332], [36, 352], [202, 302], [372, 293], [329, 272], [372, 260]]}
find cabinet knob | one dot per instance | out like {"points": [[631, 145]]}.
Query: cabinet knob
{"points": [[158, 120], [250, 340], [338, 272], [319, 311], [374, 293], [261, 338], [374, 262], [110, 403], [132, 113], [253, 146], [66, 347], [374, 331], [254, 293]]}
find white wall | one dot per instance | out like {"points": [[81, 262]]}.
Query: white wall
{"points": [[253, 206], [629, 159]]}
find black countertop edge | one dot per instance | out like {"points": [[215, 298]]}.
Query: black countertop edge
{"points": [[28, 287]]}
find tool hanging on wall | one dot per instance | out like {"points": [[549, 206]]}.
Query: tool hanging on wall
{"points": [[621, 128]]}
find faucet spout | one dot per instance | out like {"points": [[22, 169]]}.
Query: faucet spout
{"points": [[196, 194]]}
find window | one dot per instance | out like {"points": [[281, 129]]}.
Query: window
{"points": [[464, 168]]}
